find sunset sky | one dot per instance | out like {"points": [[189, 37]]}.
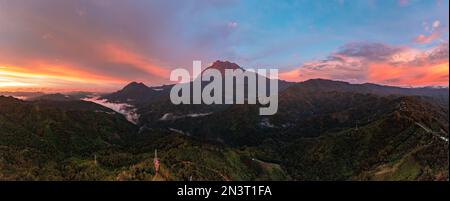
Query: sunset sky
{"points": [[100, 45]]}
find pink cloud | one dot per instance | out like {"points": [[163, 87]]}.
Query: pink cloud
{"points": [[379, 63], [120, 54]]}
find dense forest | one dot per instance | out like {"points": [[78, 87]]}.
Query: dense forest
{"points": [[324, 130]]}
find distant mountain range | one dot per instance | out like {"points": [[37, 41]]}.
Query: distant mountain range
{"points": [[324, 130]]}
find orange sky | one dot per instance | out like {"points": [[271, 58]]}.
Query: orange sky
{"points": [[382, 73], [436, 75], [40, 74], [65, 78]]}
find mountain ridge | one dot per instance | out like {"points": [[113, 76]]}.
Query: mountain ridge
{"points": [[324, 130]]}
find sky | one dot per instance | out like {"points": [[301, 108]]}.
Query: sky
{"points": [[101, 45]]}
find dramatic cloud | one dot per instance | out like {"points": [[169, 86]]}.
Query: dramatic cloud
{"points": [[125, 109], [101, 45], [379, 63]]}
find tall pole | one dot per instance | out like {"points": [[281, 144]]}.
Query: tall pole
{"points": [[156, 162]]}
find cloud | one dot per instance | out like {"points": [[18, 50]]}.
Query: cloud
{"points": [[125, 109], [435, 32], [119, 40], [425, 39], [436, 24], [379, 63]]}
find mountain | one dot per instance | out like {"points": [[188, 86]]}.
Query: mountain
{"points": [[155, 110], [137, 93], [53, 97], [334, 135], [40, 139], [79, 140], [329, 130], [439, 94], [22, 95], [59, 119], [402, 144], [221, 66], [323, 130], [299, 109], [140, 95]]}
